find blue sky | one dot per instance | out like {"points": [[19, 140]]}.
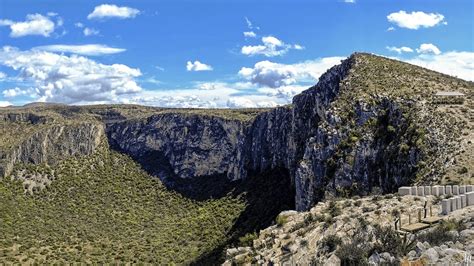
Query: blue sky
{"points": [[211, 53]]}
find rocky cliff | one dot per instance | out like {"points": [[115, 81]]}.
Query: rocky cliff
{"points": [[368, 124], [42, 139]]}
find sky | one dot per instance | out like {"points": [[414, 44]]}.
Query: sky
{"points": [[214, 54]]}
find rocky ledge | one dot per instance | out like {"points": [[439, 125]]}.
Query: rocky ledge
{"points": [[360, 231]]}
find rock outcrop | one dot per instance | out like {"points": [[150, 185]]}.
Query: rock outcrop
{"points": [[51, 141]]}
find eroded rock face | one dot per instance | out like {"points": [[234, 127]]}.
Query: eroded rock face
{"points": [[53, 143], [349, 159], [192, 145]]}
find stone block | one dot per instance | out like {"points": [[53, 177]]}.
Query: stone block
{"points": [[469, 188], [427, 190], [414, 190], [458, 202], [454, 204], [435, 190], [445, 206], [403, 191], [420, 191], [463, 201], [448, 190], [462, 190], [470, 198], [455, 190]]}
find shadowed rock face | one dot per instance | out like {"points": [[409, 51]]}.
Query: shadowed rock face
{"points": [[192, 145]]}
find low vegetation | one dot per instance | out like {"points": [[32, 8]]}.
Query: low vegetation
{"points": [[105, 209]]}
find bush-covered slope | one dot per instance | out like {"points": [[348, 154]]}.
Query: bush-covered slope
{"points": [[103, 208]]}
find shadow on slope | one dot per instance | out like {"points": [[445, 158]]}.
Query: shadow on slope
{"points": [[266, 195]]}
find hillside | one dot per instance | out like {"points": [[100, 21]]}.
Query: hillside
{"points": [[159, 185]]}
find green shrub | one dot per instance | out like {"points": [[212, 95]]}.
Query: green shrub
{"points": [[440, 234], [333, 209], [247, 240], [331, 242], [281, 220]]}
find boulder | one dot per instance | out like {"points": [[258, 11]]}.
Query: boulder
{"points": [[333, 261], [431, 255]]}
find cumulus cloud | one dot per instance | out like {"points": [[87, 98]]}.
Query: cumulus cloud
{"points": [[90, 32], [415, 20], [86, 49], [400, 50], [5, 104], [10, 93], [185, 101], [2, 75], [271, 46], [428, 48], [113, 11], [458, 64], [197, 66], [250, 34], [274, 75], [35, 24], [71, 79]]}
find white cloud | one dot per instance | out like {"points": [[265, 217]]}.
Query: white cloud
{"points": [[271, 46], [428, 48], [400, 50], [60, 22], [274, 75], [35, 24], [415, 20], [243, 102], [197, 66], [211, 85], [79, 25], [250, 24], [3, 76], [391, 29], [153, 80], [71, 79], [350, 1], [10, 93], [285, 92], [459, 64], [5, 104], [250, 34], [113, 11], [90, 32], [86, 49]]}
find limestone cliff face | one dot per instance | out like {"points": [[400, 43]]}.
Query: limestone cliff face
{"points": [[191, 145], [344, 159], [268, 140], [51, 143]]}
